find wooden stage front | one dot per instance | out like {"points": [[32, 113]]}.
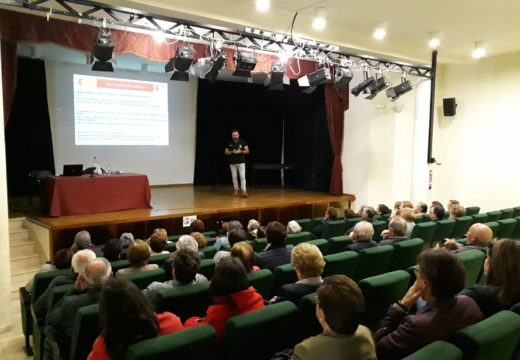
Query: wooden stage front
{"points": [[170, 204]]}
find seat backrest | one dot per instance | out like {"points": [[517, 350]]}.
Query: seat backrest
{"points": [[338, 244], [380, 292], [375, 261], [473, 261], [297, 238], [472, 210], [119, 264], [495, 226], [42, 281], [260, 333], [479, 218], [334, 228], [207, 268], [84, 331], [462, 225], [443, 230], [57, 293], [437, 350], [159, 259], [516, 232], [516, 308], [322, 244], [259, 244], [516, 211], [507, 213], [378, 226], [306, 224], [425, 231], [208, 251], [494, 216], [493, 338], [209, 233], [174, 238], [507, 228], [405, 253], [198, 342], [283, 274], [262, 281], [211, 241], [185, 301], [345, 263], [350, 223], [145, 278], [419, 219], [310, 325]]}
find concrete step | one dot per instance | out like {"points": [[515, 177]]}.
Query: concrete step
{"points": [[25, 248], [19, 264], [18, 236], [16, 224]]}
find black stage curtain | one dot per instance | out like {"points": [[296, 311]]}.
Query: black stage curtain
{"points": [[266, 120], [28, 139]]}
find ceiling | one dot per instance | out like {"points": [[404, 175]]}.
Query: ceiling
{"points": [[350, 24]]}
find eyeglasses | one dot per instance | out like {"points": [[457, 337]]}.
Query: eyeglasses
{"points": [[417, 270], [316, 299]]}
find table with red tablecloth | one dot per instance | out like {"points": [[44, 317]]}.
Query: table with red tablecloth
{"points": [[80, 195]]}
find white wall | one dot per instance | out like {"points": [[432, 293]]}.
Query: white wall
{"points": [[173, 164]]}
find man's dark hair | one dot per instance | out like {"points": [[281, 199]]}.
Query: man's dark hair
{"points": [[235, 236], [369, 210], [197, 226], [112, 249], [342, 302], [332, 212], [439, 211], [276, 233], [186, 264], [444, 270], [260, 233], [63, 258], [235, 225], [383, 209], [234, 130], [230, 276], [424, 207]]}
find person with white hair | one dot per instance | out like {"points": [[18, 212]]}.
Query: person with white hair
{"points": [[293, 227], [252, 227], [361, 237], [185, 242], [79, 261], [87, 288], [127, 239]]}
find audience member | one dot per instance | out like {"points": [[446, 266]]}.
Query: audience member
{"points": [[112, 249], [330, 215], [361, 237], [127, 239], [382, 209], [478, 237], [197, 226], [185, 242], [396, 231], [62, 260], [260, 233], [457, 211], [235, 236], [502, 289], [59, 322], [201, 240], [440, 277], [397, 209], [82, 241], [252, 227], [408, 215], [451, 203], [293, 227], [367, 213], [348, 214], [138, 254], [79, 261], [276, 253], [309, 264], [435, 203], [421, 209], [186, 265], [127, 317], [158, 243], [339, 311], [231, 295], [222, 240], [244, 251], [436, 213]]}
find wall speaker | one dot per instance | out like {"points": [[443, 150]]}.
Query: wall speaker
{"points": [[449, 106]]}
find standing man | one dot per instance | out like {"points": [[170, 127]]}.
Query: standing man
{"points": [[236, 150]]}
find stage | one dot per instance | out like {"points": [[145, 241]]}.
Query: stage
{"points": [[171, 203]]}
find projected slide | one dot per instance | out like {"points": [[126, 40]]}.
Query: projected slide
{"points": [[110, 111]]}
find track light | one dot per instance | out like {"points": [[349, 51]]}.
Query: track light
{"points": [[180, 64], [356, 90], [275, 78], [342, 77], [377, 86], [244, 63], [319, 21], [102, 51], [216, 65], [317, 78], [394, 92], [479, 51]]}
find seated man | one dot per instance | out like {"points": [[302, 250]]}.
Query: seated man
{"points": [[78, 264], [478, 237], [275, 253], [361, 237], [396, 231], [421, 209], [82, 241], [367, 213], [185, 242], [234, 236], [62, 261], [186, 265], [60, 321], [437, 213], [112, 249], [330, 215]]}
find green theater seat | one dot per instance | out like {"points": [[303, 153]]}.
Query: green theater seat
{"points": [[306, 224], [283, 274], [507, 213], [405, 253], [322, 244], [208, 251], [424, 231], [310, 325], [145, 278], [378, 226], [494, 216], [262, 281], [185, 301], [334, 228], [338, 244], [507, 228], [159, 259], [375, 261], [495, 227], [297, 238], [437, 350], [472, 210], [259, 244], [462, 225], [443, 230], [345, 263], [473, 261], [207, 268], [479, 218]]}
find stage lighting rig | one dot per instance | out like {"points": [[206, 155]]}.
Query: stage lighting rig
{"points": [[217, 64], [276, 78], [394, 92], [342, 77], [180, 63], [102, 51], [244, 63], [317, 78], [377, 86], [362, 86]]}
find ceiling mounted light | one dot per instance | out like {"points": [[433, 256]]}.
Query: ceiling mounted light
{"points": [[262, 5], [396, 91], [216, 65], [317, 78], [180, 64], [356, 90], [244, 63], [319, 21], [342, 77], [377, 86], [276, 77], [479, 51], [434, 41], [102, 51], [380, 33]]}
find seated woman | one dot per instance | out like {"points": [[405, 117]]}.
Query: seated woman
{"points": [[340, 308], [502, 271], [231, 295], [138, 255], [244, 251], [201, 240], [252, 227], [440, 277], [457, 211], [127, 317], [309, 263], [158, 244], [409, 215], [293, 227]]}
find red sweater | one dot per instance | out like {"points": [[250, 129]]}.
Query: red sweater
{"points": [[168, 323], [216, 315]]}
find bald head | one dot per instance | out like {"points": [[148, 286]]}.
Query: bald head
{"points": [[81, 259], [97, 272], [479, 233], [363, 231]]}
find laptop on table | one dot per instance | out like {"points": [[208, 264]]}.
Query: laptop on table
{"points": [[73, 170]]}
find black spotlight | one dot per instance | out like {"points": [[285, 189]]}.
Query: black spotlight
{"points": [[342, 77], [274, 79], [317, 78], [244, 63], [356, 90], [180, 64], [102, 51], [396, 91], [376, 86], [216, 65]]}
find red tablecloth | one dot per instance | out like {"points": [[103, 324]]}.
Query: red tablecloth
{"points": [[79, 195]]}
